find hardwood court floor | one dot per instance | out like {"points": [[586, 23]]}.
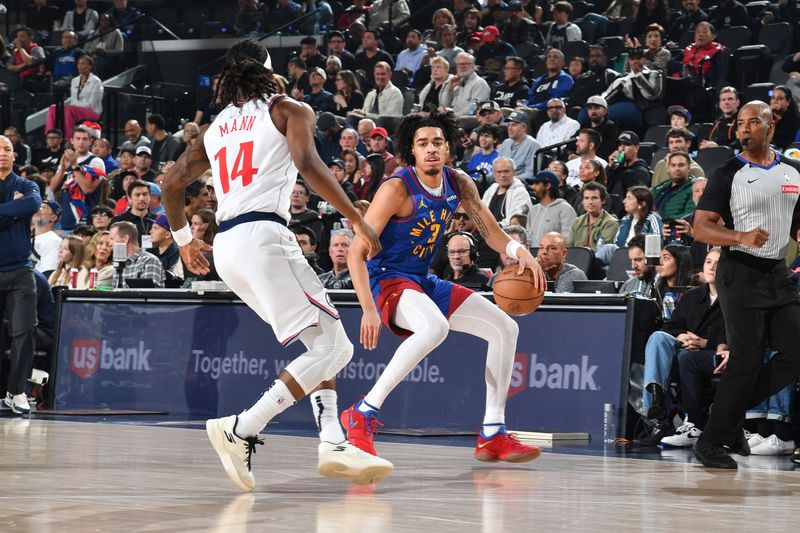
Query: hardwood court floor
{"points": [[58, 476]]}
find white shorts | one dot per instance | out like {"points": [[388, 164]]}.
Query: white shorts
{"points": [[263, 264]]}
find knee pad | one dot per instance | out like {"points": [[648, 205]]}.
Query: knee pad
{"points": [[338, 356]]}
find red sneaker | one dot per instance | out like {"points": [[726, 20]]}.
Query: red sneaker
{"points": [[504, 447], [360, 429]]}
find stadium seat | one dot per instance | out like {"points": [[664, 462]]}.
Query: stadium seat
{"points": [[712, 158], [751, 64], [758, 91], [657, 134], [686, 39], [575, 49], [777, 37], [702, 131], [620, 265], [658, 155], [777, 75], [735, 37], [588, 30], [754, 8], [580, 257], [615, 45], [646, 150]]}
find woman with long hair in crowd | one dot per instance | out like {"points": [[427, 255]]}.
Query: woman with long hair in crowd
{"points": [[204, 225], [372, 171], [441, 17], [591, 171], [70, 256], [470, 25], [639, 218], [98, 255], [348, 93], [675, 267]]}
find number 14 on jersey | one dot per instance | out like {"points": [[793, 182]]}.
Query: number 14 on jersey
{"points": [[242, 166]]}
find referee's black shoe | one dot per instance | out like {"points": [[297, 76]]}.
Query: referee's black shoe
{"points": [[740, 445], [713, 455]]}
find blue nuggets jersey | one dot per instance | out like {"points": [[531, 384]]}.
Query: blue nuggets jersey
{"points": [[409, 244]]}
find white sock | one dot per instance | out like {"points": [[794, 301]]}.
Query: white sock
{"points": [[490, 430], [418, 313], [326, 415], [274, 401]]}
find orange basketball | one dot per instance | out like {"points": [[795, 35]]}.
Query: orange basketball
{"points": [[516, 294]]}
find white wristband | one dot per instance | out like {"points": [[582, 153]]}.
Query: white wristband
{"points": [[183, 236], [512, 247]]}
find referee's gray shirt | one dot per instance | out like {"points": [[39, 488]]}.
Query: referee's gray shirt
{"points": [[749, 196]]}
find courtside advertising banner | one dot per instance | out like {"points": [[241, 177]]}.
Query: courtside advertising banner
{"points": [[203, 361]]}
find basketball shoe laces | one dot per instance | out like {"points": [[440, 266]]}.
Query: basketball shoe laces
{"points": [[251, 448], [371, 425]]}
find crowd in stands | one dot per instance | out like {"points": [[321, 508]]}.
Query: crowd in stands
{"points": [[583, 134]]}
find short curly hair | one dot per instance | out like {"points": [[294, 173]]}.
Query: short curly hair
{"points": [[404, 137]]}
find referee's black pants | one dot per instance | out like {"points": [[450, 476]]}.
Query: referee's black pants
{"points": [[760, 304], [18, 306]]}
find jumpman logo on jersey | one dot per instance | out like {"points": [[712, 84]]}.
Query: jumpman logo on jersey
{"points": [[422, 203]]}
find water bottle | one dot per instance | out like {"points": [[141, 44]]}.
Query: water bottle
{"points": [[600, 242], [669, 305], [609, 423], [473, 107]]}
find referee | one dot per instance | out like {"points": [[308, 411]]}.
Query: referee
{"points": [[755, 194]]}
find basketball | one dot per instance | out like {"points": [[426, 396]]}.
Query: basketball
{"points": [[516, 294]]}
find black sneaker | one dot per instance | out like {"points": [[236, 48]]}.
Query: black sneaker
{"points": [[740, 445], [652, 436], [713, 456]]}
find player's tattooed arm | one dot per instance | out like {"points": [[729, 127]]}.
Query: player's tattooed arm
{"points": [[189, 167], [480, 214]]}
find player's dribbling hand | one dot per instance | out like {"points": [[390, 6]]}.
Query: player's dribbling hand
{"points": [[193, 258], [755, 238], [366, 232], [370, 329], [526, 260]]}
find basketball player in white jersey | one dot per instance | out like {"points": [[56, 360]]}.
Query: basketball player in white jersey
{"points": [[255, 147]]}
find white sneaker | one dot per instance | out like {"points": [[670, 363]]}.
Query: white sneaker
{"points": [[753, 439], [684, 436], [18, 403], [346, 461], [233, 451], [772, 445]]}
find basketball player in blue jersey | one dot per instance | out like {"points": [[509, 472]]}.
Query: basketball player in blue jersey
{"points": [[410, 212]]}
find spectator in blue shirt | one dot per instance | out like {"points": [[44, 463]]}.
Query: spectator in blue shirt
{"points": [[483, 159], [410, 58], [555, 84], [65, 66], [318, 98], [330, 133], [287, 11]]}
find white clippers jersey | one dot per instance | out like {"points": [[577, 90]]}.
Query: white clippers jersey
{"points": [[250, 160]]}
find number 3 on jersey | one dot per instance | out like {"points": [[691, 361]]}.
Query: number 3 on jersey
{"points": [[242, 167]]}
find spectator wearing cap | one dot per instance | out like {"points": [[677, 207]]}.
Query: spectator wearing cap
{"points": [[625, 169], [520, 29], [54, 149], [514, 89], [431, 95], [379, 14], [595, 80], [320, 100], [101, 216], [466, 88], [385, 100], [138, 212], [78, 181], [164, 247], [102, 149], [410, 58], [630, 95], [143, 162], [586, 149], [133, 137], [338, 168], [562, 30], [493, 52], [598, 120], [679, 117], [552, 257], [552, 213], [555, 83], [370, 55], [596, 225], [46, 242], [329, 135], [520, 147], [336, 47], [378, 144], [559, 127], [139, 264], [488, 112], [678, 140], [307, 240], [164, 147], [507, 196], [687, 20], [309, 52]]}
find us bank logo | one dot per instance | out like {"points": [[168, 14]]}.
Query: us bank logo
{"points": [[530, 373], [87, 356]]}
